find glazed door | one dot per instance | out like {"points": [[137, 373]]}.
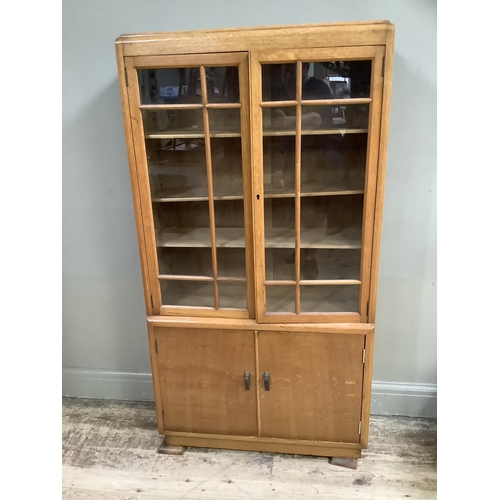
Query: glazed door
{"points": [[310, 386], [190, 120], [207, 380], [316, 119]]}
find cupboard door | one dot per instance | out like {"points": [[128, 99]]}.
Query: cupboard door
{"points": [[202, 380], [191, 132], [316, 124], [314, 385]]}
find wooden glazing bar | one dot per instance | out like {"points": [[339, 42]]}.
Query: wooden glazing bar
{"points": [[188, 135], [211, 208], [298, 146], [330, 282], [182, 277], [279, 282], [278, 104], [336, 102], [223, 105], [231, 279], [159, 107], [333, 131]]}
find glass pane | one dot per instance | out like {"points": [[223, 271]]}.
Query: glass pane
{"points": [[279, 166], [279, 82], [279, 222], [232, 295], [280, 264], [280, 299], [173, 123], [231, 262], [279, 121], [185, 261], [330, 264], [229, 224], [224, 122], [335, 119], [187, 293], [336, 79], [223, 84], [170, 85], [330, 222], [227, 173], [177, 169], [182, 225], [326, 298], [333, 164]]}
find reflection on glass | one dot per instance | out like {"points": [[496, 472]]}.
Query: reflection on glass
{"points": [[170, 85], [280, 299], [333, 164], [336, 79], [280, 264], [173, 123], [320, 80], [330, 264], [223, 84], [326, 298], [279, 218], [279, 165], [224, 120], [177, 169], [279, 82], [331, 222], [227, 167]]}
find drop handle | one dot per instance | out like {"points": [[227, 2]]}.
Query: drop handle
{"points": [[247, 380], [266, 381]]}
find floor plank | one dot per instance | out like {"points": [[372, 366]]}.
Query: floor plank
{"points": [[109, 453]]}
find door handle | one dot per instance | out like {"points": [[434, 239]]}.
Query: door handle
{"points": [[266, 381], [247, 380]]}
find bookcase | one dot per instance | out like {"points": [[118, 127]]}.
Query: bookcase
{"points": [[257, 164]]}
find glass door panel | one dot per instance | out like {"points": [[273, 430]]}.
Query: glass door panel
{"points": [[315, 138], [192, 127]]}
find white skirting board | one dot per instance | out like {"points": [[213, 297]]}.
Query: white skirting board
{"points": [[388, 398]]}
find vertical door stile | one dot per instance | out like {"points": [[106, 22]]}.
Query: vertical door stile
{"points": [[298, 150]]}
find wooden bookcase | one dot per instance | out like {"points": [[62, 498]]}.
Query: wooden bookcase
{"points": [[257, 162]]}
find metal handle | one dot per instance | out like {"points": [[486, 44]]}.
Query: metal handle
{"points": [[247, 380], [266, 381]]}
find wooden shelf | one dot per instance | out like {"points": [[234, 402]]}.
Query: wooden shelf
{"points": [[333, 131], [228, 192], [195, 133], [229, 237]]}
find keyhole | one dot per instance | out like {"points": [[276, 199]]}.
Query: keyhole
{"points": [[258, 196]]}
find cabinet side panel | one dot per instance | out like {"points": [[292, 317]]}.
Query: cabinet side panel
{"points": [[133, 176], [379, 202], [202, 383]]}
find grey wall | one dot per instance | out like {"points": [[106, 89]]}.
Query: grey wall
{"points": [[105, 350]]}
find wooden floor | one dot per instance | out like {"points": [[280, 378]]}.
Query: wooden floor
{"points": [[109, 453]]}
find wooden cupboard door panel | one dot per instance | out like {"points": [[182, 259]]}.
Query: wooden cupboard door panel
{"points": [[202, 384], [315, 385]]}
